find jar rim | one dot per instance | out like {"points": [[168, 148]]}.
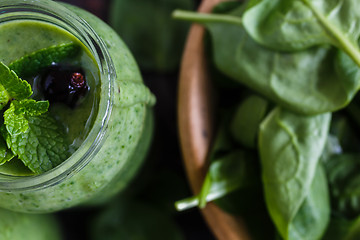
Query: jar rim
{"points": [[59, 15]]}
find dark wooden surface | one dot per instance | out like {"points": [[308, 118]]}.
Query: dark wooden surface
{"points": [[75, 222]]}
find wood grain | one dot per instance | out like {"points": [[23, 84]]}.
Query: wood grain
{"points": [[195, 122]]}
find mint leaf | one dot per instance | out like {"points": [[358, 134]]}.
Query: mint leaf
{"points": [[4, 97], [5, 152], [12, 86], [34, 136], [42, 146], [30, 107], [15, 118], [31, 65]]}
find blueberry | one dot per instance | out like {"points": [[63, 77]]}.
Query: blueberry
{"points": [[64, 84]]}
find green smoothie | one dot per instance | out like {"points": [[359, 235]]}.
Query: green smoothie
{"points": [[20, 226], [108, 132]]}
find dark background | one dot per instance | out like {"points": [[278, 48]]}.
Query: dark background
{"points": [[165, 149]]}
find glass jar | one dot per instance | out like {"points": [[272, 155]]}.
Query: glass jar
{"points": [[20, 226], [116, 145]]}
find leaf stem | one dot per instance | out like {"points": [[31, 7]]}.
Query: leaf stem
{"points": [[187, 203], [205, 190], [203, 18], [211, 195], [341, 42]]}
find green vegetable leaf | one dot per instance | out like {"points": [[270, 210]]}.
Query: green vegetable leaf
{"points": [[344, 229], [33, 63], [313, 81], [231, 172], [5, 153], [290, 146], [344, 181], [313, 216], [337, 229], [354, 230], [11, 86], [4, 96], [34, 136], [223, 143], [245, 124], [15, 117], [291, 25], [343, 135]]}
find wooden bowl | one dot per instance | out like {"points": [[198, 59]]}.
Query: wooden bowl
{"points": [[195, 122]]}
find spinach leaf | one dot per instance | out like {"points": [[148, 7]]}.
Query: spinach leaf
{"points": [[226, 174], [312, 218], [313, 81], [148, 30], [344, 180], [342, 136], [245, 123], [230, 169], [337, 229], [291, 25], [340, 228], [354, 230], [223, 143], [290, 146]]}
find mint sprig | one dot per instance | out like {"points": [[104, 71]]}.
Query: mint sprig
{"points": [[32, 135], [29, 132]]}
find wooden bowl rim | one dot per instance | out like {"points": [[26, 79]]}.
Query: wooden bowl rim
{"points": [[195, 126]]}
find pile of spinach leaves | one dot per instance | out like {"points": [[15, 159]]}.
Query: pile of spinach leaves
{"points": [[286, 156]]}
